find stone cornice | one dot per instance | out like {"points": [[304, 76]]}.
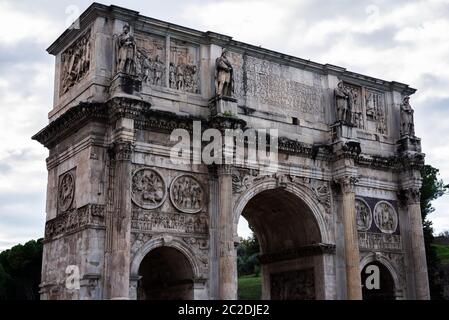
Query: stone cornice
{"points": [[74, 117]]}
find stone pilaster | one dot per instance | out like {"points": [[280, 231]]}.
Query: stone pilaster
{"points": [[227, 269], [411, 202], [118, 222], [352, 257]]}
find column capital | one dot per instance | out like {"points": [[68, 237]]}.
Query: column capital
{"points": [[224, 169], [121, 150], [410, 196], [347, 183]]}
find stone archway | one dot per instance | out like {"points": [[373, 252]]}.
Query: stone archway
{"points": [[165, 274], [296, 252], [390, 288], [165, 268]]}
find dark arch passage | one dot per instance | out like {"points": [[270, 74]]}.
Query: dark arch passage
{"points": [[289, 235], [165, 274], [385, 291]]}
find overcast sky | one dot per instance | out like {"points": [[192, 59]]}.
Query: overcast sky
{"points": [[405, 41]]}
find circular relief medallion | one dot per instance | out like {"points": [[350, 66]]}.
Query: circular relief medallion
{"points": [[186, 194], [66, 191], [385, 217], [364, 215], [148, 188]]}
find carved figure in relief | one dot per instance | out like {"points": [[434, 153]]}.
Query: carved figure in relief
{"points": [[186, 194], [75, 62], [126, 52], [344, 102], [224, 82], [407, 123], [66, 192], [158, 68], [179, 77], [148, 188], [385, 217], [364, 217], [171, 73]]}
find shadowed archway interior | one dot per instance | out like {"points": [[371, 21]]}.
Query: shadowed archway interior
{"points": [[286, 228], [165, 274], [386, 289]]}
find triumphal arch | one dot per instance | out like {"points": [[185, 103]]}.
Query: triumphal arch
{"points": [[134, 214]]}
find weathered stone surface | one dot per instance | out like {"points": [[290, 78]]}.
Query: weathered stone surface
{"points": [[343, 195]]}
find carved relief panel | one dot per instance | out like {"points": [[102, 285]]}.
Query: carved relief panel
{"points": [[148, 188], [355, 105], [184, 66], [273, 84], [187, 194], [75, 62], [66, 191], [385, 217], [364, 215], [375, 111], [151, 57]]}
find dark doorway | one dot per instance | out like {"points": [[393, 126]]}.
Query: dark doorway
{"points": [[385, 290], [166, 274]]}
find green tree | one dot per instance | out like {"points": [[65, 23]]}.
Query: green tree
{"points": [[247, 256], [432, 188], [20, 271]]}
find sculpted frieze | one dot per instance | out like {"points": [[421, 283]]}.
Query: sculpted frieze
{"points": [[268, 84], [75, 219], [151, 59], [146, 220], [379, 241], [75, 62], [184, 67]]}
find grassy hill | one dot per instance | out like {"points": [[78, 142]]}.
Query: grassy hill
{"points": [[250, 287], [443, 253]]}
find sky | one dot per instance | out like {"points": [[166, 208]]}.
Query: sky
{"points": [[406, 41]]}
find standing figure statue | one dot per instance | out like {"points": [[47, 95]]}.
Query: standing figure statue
{"points": [[126, 52], [344, 101], [407, 123], [224, 82], [158, 68]]}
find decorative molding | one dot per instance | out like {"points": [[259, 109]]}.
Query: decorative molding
{"points": [[410, 196], [145, 220], [75, 220], [379, 241]]}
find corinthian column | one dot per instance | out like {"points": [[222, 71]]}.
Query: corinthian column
{"points": [[227, 274], [353, 280], [119, 222], [418, 254]]}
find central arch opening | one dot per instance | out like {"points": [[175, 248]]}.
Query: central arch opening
{"points": [[291, 264], [165, 274]]}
